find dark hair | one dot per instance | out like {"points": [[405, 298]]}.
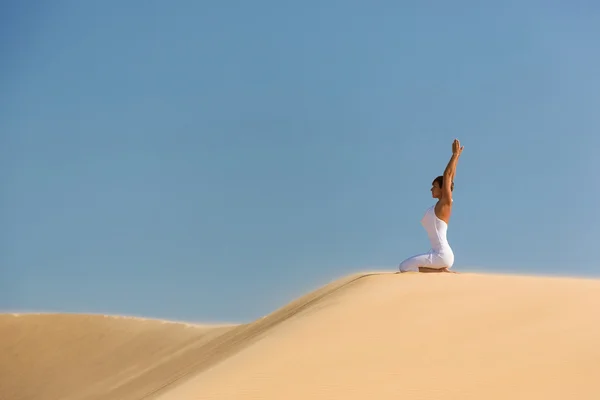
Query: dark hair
{"points": [[440, 181]]}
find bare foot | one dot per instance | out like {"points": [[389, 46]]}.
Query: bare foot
{"points": [[436, 270], [429, 270]]}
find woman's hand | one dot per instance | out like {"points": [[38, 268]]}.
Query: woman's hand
{"points": [[456, 147]]}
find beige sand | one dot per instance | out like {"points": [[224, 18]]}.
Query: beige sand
{"points": [[76, 357], [380, 336]]}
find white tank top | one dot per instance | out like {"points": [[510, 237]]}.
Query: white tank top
{"points": [[436, 230]]}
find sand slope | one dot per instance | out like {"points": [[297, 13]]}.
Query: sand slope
{"points": [[77, 357], [95, 357], [380, 336], [423, 336]]}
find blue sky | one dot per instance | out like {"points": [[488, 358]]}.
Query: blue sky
{"points": [[211, 161]]}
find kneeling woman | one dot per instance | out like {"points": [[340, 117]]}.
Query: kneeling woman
{"points": [[441, 257]]}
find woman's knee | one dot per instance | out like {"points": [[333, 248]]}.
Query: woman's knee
{"points": [[412, 264], [408, 267]]}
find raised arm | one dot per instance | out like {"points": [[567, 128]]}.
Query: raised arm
{"points": [[450, 171]]}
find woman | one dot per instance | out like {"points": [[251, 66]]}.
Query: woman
{"points": [[440, 258]]}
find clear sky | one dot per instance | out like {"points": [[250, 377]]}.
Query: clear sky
{"points": [[211, 161]]}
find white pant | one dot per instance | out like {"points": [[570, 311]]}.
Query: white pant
{"points": [[431, 259]]}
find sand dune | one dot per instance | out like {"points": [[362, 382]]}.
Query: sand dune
{"points": [[423, 336], [77, 357], [375, 336]]}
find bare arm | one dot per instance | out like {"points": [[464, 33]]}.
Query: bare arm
{"points": [[450, 172]]}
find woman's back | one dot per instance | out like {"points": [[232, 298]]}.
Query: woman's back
{"points": [[436, 230]]}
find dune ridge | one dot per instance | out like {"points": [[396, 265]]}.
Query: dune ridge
{"points": [[236, 339], [368, 335], [87, 356], [43, 343]]}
